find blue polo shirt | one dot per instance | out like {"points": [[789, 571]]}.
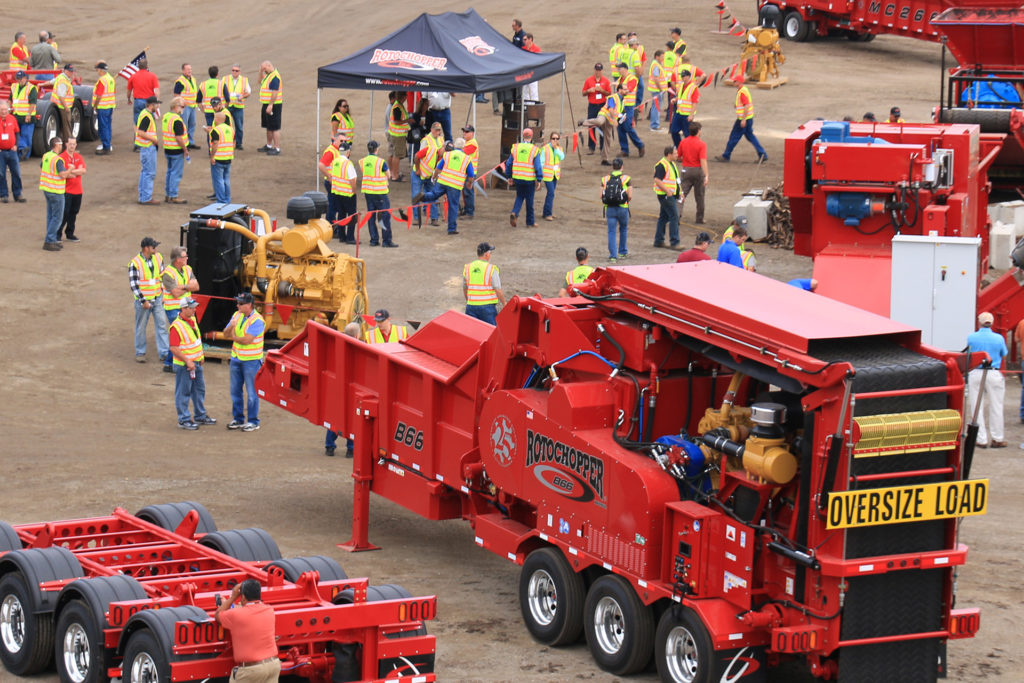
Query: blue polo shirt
{"points": [[729, 252], [991, 343]]}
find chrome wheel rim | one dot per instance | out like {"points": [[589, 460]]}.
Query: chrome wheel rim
{"points": [[681, 659], [144, 669], [12, 624], [543, 600], [608, 625], [76, 653]]}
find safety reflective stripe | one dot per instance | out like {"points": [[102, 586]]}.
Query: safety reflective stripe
{"points": [[236, 90], [456, 164], [612, 108], [69, 98], [472, 151], [226, 144], [211, 89], [49, 180], [20, 105], [523, 154], [139, 140], [550, 165], [181, 279], [396, 128], [671, 176], [631, 83], [188, 90], [268, 96], [685, 104], [346, 126], [614, 54], [655, 76], [744, 110], [191, 342], [578, 274], [15, 61], [340, 182], [479, 291], [149, 275], [253, 351], [430, 158], [108, 98], [375, 181], [397, 333], [167, 128]]}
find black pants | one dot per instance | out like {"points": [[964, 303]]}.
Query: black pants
{"points": [[72, 205]]}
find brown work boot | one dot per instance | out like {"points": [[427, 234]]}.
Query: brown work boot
{"points": [[997, 444]]}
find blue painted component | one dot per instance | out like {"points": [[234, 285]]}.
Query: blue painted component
{"points": [[839, 131], [851, 207], [992, 94], [695, 460]]}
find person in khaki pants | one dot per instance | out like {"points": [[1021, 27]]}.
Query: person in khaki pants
{"points": [[253, 642]]}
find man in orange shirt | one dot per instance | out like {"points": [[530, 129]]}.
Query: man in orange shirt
{"points": [[253, 634]]}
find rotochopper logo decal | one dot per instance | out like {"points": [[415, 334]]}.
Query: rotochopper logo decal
{"points": [[503, 440], [564, 469], [405, 59], [477, 46]]}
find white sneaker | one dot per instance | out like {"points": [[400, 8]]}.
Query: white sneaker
{"points": [[250, 427]]}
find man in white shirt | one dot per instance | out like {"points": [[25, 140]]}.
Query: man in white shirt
{"points": [[439, 109]]}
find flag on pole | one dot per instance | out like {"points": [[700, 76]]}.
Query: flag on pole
{"points": [[131, 67]]}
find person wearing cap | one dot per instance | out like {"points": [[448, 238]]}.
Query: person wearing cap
{"points": [[472, 151], [530, 90], [869, 117], [178, 282], [186, 358], [481, 286], [222, 153], [217, 105], [24, 96], [342, 197], [693, 162], [43, 56], [597, 88], [667, 190], [385, 331], [607, 119], [75, 165], [144, 280], [578, 274], [147, 141], [18, 55], [657, 85], [398, 129], [617, 215], [63, 97], [271, 103], [699, 252], [452, 175], [187, 89], [737, 222], [687, 97], [730, 252], [324, 164], [990, 417], [9, 153], [142, 85], [524, 168], [627, 131], [238, 91], [374, 187], [174, 134], [245, 330], [743, 126], [424, 162], [53, 177], [635, 57], [210, 89], [894, 116], [104, 100]]}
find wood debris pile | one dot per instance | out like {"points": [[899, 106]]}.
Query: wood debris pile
{"points": [[780, 222]]}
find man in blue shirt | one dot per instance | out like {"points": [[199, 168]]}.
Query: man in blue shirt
{"points": [[729, 252], [990, 417], [808, 284]]}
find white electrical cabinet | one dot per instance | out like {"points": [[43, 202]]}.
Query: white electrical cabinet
{"points": [[935, 287]]}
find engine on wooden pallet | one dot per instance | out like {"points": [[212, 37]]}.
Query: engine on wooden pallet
{"points": [[292, 273]]}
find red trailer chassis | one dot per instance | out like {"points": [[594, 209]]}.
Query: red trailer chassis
{"points": [[131, 597], [628, 447]]}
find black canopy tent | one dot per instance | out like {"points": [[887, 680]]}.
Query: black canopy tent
{"points": [[449, 52]]}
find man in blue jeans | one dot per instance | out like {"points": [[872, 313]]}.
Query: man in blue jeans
{"points": [[245, 330], [743, 126], [616, 211], [186, 344], [144, 280], [481, 286], [147, 140]]}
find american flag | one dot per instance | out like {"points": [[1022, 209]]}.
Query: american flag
{"points": [[131, 67]]}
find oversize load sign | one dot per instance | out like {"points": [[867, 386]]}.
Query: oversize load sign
{"points": [[874, 507]]}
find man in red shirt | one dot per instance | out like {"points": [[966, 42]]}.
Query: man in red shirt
{"points": [[693, 160], [74, 163], [9, 153], [253, 632], [530, 91], [699, 251], [142, 85], [597, 88]]}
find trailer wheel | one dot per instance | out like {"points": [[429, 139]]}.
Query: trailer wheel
{"points": [[79, 647], [9, 539], [248, 545], [169, 515], [47, 127], [26, 637], [551, 597], [619, 628], [860, 37], [294, 567], [144, 660], [683, 649], [794, 27]]}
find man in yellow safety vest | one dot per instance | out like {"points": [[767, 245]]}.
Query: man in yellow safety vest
{"points": [[63, 97], [245, 331], [178, 282], [743, 126], [144, 280], [524, 168], [23, 105], [187, 89], [578, 274], [104, 101], [186, 344], [453, 174], [375, 192], [385, 332], [238, 91], [271, 99], [481, 286]]}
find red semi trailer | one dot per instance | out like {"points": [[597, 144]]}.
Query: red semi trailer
{"points": [[691, 462], [130, 597]]}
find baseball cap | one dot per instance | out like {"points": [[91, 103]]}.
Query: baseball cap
{"points": [[381, 315], [189, 302], [20, 74], [69, 67], [868, 116], [895, 110], [149, 242], [101, 65], [985, 318], [621, 65], [345, 146], [214, 101], [527, 131], [152, 99], [469, 129], [702, 238], [740, 221], [483, 248], [244, 298], [684, 73], [739, 78], [599, 67]]}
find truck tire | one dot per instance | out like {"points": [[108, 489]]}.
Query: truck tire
{"points": [[860, 37], [79, 650], [794, 27], [682, 647], [48, 126], [294, 567], [619, 628], [26, 635], [169, 515], [248, 545], [9, 539], [551, 597], [145, 661]]}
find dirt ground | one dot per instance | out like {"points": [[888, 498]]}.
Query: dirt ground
{"points": [[86, 429]]}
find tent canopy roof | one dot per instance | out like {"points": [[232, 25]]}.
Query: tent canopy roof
{"points": [[451, 52]]}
